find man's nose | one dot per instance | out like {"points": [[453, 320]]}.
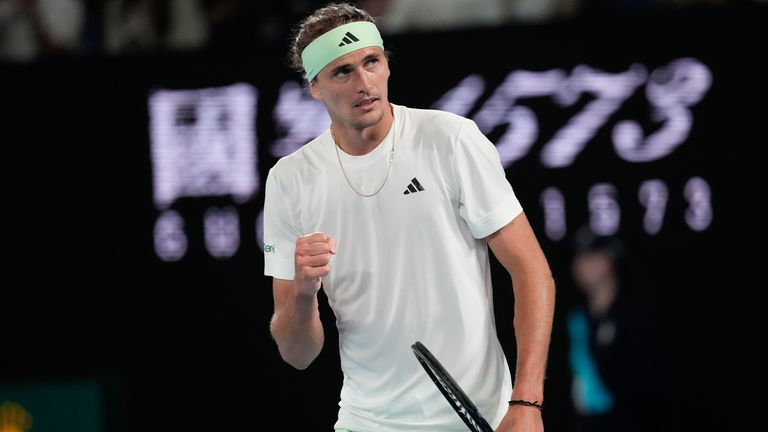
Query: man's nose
{"points": [[363, 81]]}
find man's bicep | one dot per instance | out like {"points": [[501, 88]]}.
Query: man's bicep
{"points": [[516, 247]]}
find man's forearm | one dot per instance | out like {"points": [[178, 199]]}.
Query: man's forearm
{"points": [[534, 309], [297, 329], [517, 249]]}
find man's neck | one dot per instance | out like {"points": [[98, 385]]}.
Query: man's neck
{"points": [[358, 142]]}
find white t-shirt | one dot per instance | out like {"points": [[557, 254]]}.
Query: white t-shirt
{"points": [[410, 265]]}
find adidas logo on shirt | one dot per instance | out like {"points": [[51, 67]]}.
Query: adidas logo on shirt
{"points": [[413, 187], [348, 39]]}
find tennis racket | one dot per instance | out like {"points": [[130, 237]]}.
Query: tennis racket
{"points": [[451, 390]]}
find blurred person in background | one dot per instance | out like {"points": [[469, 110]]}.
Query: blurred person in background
{"points": [[30, 29], [614, 353], [139, 26], [133, 26]]}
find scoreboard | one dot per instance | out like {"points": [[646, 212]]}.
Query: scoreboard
{"points": [[204, 143]]}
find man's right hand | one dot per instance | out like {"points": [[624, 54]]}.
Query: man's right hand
{"points": [[312, 259]]}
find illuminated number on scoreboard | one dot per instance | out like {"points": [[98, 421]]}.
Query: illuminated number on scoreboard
{"points": [[222, 231], [672, 90], [170, 238], [604, 210], [653, 195], [463, 97], [520, 121], [698, 215], [553, 203], [610, 91]]}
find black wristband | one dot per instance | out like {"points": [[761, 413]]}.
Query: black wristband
{"points": [[534, 404]]}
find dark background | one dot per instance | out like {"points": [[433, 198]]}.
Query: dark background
{"points": [[185, 345]]}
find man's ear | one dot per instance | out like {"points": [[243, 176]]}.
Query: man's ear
{"points": [[314, 91]]}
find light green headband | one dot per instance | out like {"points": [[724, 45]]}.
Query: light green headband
{"points": [[337, 42]]}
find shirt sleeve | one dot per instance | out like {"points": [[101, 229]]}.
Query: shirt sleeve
{"points": [[279, 232], [486, 199]]}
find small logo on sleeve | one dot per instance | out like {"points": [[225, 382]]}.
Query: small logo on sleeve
{"points": [[270, 248]]}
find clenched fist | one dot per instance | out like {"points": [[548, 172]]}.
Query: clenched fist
{"points": [[312, 259]]}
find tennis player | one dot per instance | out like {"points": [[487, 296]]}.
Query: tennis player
{"points": [[392, 211]]}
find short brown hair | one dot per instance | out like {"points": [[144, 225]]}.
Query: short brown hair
{"points": [[321, 21]]}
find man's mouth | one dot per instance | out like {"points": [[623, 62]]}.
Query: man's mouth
{"points": [[366, 103]]}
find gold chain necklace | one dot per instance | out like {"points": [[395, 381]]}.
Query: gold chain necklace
{"points": [[389, 166]]}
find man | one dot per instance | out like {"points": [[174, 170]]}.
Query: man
{"points": [[392, 211]]}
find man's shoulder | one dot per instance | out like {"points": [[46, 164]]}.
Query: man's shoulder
{"points": [[434, 118], [308, 155]]}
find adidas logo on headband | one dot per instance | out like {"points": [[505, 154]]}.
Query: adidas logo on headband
{"points": [[348, 39], [337, 42]]}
